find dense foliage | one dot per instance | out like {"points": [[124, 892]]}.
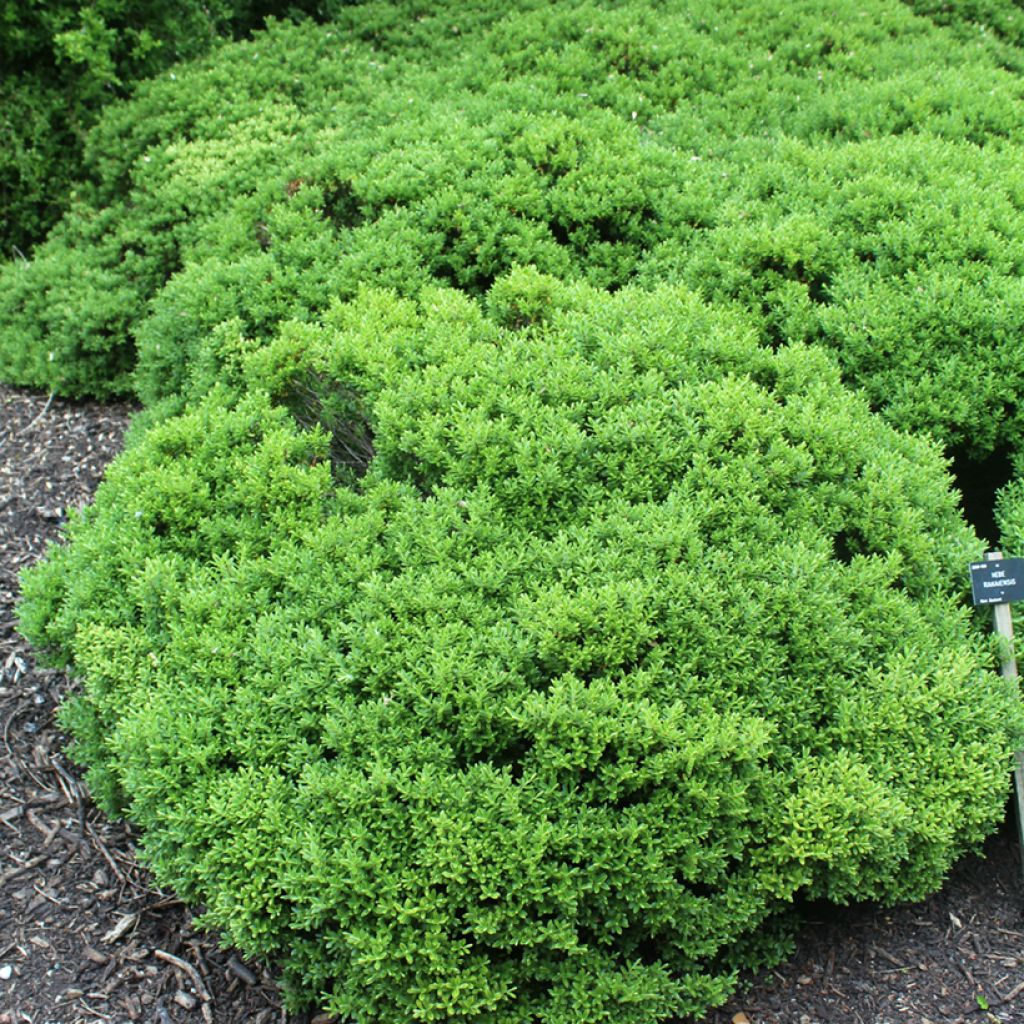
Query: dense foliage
{"points": [[589, 634], [62, 62], [996, 24], [507, 606], [854, 180]]}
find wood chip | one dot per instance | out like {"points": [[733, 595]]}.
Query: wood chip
{"points": [[119, 930], [45, 830], [240, 971], [21, 868], [94, 955], [12, 815], [1010, 996], [185, 1001]]}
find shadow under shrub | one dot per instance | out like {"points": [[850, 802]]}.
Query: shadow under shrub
{"points": [[628, 632]]}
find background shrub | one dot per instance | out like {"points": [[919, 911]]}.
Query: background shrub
{"points": [[998, 24], [622, 631], [852, 179], [868, 248], [64, 62]]}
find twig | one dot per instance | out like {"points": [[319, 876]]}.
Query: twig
{"points": [[7, 724], [118, 932], [8, 816], [164, 902], [46, 831], [32, 423], [38, 891], [205, 1005], [24, 768], [68, 783], [92, 1011], [98, 845], [1011, 995], [967, 973], [885, 954], [17, 252], [204, 968], [184, 965], [21, 868]]}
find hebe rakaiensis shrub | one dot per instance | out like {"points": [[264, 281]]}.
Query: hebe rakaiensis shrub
{"points": [[63, 61], [621, 633], [849, 172]]}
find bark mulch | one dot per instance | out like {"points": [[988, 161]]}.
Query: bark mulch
{"points": [[86, 936]]}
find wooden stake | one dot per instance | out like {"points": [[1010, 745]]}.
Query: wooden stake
{"points": [[1003, 624]]}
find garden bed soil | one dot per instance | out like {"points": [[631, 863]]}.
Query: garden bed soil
{"points": [[86, 936]]}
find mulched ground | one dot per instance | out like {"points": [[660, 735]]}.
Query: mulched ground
{"points": [[85, 936]]}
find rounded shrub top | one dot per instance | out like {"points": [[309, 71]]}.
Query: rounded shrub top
{"points": [[519, 660]]}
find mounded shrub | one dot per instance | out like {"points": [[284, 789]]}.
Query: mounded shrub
{"points": [[902, 255], [522, 660], [519, 652], [852, 179], [458, 197], [62, 62]]}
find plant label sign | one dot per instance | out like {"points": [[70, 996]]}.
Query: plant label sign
{"points": [[998, 581]]}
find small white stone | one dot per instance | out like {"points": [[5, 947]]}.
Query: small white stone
{"points": [[5, 972]]}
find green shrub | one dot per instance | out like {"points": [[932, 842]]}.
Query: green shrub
{"points": [[443, 198], [903, 255], [995, 23], [522, 660], [63, 62], [851, 179], [69, 313]]}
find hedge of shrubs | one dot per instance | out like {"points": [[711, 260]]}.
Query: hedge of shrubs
{"points": [[536, 563], [859, 188]]}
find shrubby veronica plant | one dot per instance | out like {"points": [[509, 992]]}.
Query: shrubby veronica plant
{"points": [[604, 634], [503, 610]]}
